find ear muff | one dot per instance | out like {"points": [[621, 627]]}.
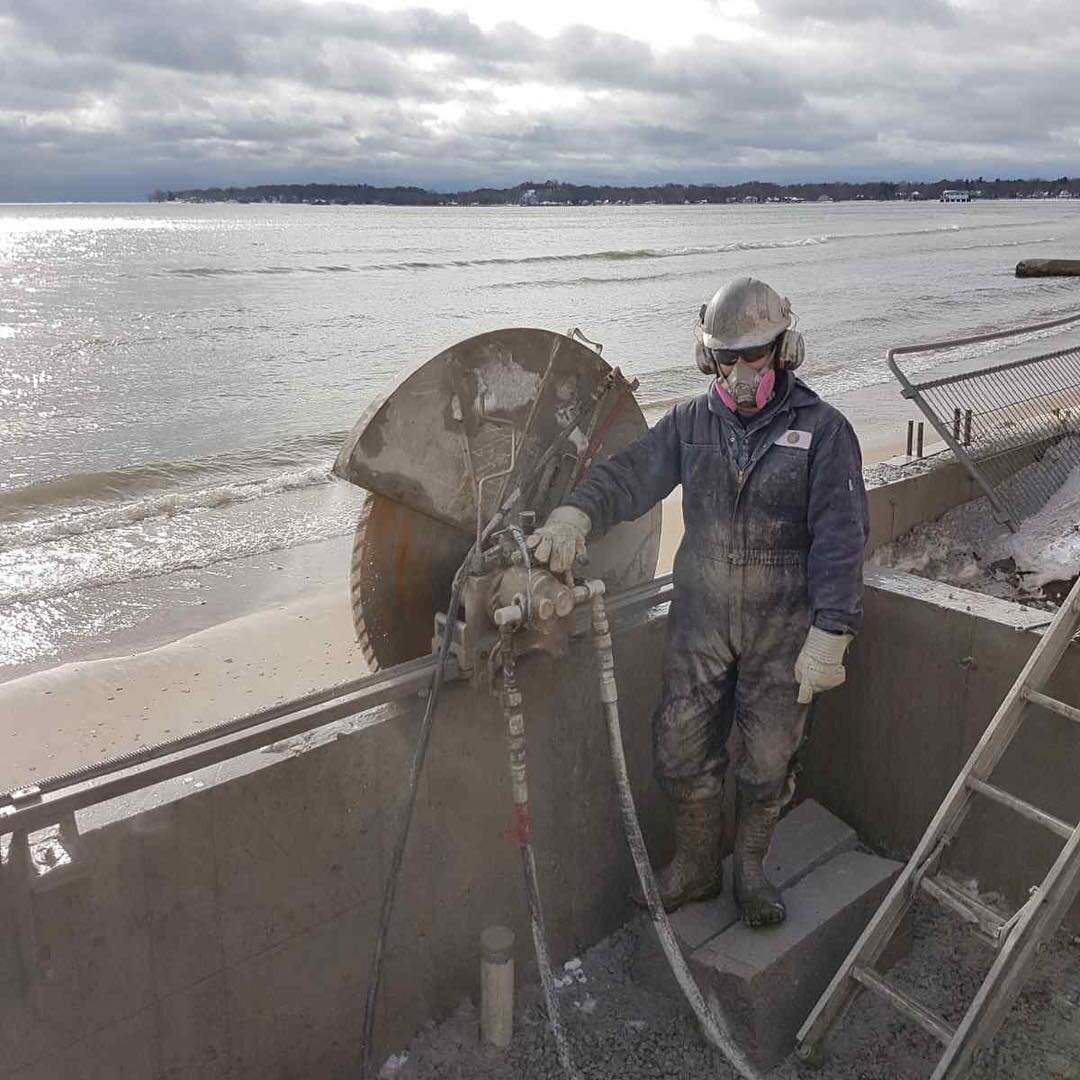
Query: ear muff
{"points": [[790, 350], [705, 365]]}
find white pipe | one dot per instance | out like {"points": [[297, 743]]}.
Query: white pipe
{"points": [[497, 986]]}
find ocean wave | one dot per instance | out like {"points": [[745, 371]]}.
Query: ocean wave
{"points": [[81, 522], [611, 255], [91, 490], [1008, 244], [97, 566], [234, 271], [948, 227]]}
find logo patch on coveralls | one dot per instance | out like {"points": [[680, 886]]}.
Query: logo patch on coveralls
{"points": [[797, 440]]}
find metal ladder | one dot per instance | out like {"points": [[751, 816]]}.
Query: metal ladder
{"points": [[1018, 938]]}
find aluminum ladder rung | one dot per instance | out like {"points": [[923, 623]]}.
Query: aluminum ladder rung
{"points": [[1032, 813], [900, 1001], [1070, 712], [947, 893]]}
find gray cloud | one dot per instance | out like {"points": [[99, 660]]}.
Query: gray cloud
{"points": [[198, 92], [907, 12]]}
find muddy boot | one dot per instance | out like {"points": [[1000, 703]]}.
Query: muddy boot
{"points": [[696, 871], [757, 899]]}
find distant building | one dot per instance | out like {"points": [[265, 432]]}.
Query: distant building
{"points": [[952, 195], [824, 198]]}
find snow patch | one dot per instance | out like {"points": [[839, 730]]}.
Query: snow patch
{"points": [[1047, 547]]}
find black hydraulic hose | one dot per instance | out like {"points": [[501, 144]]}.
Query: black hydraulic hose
{"points": [[419, 754], [515, 731], [713, 1026]]}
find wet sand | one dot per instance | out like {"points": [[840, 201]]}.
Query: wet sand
{"points": [[81, 712]]}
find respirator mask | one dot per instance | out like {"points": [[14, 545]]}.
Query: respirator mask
{"points": [[745, 386]]}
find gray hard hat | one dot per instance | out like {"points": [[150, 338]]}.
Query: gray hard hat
{"points": [[743, 314]]}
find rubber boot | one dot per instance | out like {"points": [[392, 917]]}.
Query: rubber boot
{"points": [[696, 871], [757, 898]]}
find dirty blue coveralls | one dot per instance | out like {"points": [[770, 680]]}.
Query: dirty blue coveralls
{"points": [[775, 520]]}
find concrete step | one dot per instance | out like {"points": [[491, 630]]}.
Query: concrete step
{"points": [[805, 838], [766, 981]]}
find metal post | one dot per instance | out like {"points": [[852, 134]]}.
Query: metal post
{"points": [[967, 428], [956, 423], [910, 437], [919, 444]]}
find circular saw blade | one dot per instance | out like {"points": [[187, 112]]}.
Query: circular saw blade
{"points": [[410, 451], [403, 564]]}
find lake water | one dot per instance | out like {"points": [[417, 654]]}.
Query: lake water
{"points": [[175, 380]]}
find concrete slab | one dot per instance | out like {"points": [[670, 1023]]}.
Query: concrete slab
{"points": [[806, 838], [766, 981]]}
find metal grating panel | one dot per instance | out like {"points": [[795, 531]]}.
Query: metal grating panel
{"points": [[993, 415]]}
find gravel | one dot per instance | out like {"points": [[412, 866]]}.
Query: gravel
{"points": [[621, 1030]]}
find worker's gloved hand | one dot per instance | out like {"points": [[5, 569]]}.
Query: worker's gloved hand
{"points": [[820, 663], [561, 538]]}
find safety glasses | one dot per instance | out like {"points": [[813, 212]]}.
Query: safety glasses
{"points": [[730, 357]]}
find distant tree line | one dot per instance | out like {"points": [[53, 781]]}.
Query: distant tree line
{"points": [[564, 194]]}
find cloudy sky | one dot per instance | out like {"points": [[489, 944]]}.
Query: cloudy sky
{"points": [[112, 98]]}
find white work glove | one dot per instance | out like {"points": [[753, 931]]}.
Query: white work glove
{"points": [[561, 538], [820, 663]]}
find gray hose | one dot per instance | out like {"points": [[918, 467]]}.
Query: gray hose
{"points": [[515, 730], [415, 768], [713, 1026]]}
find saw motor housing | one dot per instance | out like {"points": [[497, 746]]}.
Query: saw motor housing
{"points": [[506, 592]]}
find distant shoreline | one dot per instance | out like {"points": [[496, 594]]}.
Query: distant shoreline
{"points": [[557, 193]]}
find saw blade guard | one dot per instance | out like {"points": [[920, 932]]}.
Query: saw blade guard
{"points": [[509, 420]]}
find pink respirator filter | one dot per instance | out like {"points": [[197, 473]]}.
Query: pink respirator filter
{"points": [[762, 393]]}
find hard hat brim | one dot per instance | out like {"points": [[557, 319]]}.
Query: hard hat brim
{"points": [[747, 341]]}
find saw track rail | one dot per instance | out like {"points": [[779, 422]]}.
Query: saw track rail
{"points": [[43, 803]]}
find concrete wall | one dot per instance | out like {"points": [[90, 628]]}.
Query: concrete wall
{"points": [[924, 679], [221, 924], [224, 922], [896, 508]]}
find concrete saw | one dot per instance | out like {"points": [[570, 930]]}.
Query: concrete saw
{"points": [[505, 423]]}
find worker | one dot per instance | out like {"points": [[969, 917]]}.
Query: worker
{"points": [[767, 580]]}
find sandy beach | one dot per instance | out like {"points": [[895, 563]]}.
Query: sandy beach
{"points": [[54, 720]]}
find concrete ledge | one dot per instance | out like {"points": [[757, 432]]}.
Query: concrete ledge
{"points": [[766, 981], [804, 839]]}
